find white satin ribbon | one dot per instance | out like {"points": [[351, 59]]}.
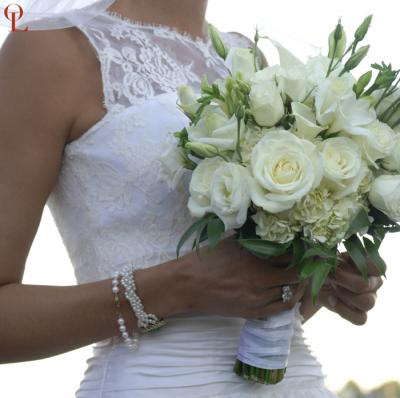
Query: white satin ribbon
{"points": [[265, 342]]}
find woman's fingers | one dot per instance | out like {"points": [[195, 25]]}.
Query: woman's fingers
{"points": [[363, 302], [278, 305], [352, 315], [355, 282]]}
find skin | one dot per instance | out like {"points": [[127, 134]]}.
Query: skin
{"points": [[41, 321]]}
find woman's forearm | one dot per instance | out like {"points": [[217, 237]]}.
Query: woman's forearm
{"points": [[37, 322]]}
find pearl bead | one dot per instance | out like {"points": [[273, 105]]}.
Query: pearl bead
{"points": [[125, 335], [115, 289], [122, 328], [121, 321]]}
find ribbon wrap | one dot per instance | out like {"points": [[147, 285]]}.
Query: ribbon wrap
{"points": [[265, 342]]}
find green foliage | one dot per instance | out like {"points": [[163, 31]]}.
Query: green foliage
{"points": [[357, 253], [263, 248]]}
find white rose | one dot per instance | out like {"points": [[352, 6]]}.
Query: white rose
{"points": [[285, 168], [392, 162], [187, 99], [215, 128], [385, 195], [200, 185], [306, 123], [230, 197], [241, 61], [378, 143], [273, 228], [294, 83], [266, 103], [328, 95], [353, 115], [292, 80], [172, 160], [337, 106], [343, 171]]}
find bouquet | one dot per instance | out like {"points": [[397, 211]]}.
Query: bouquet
{"points": [[296, 158]]}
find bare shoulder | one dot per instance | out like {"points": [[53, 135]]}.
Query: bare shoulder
{"points": [[54, 66]]}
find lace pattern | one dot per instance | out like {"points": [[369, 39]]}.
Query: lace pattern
{"points": [[142, 60]]}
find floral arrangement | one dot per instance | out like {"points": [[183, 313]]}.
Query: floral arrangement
{"points": [[296, 158]]}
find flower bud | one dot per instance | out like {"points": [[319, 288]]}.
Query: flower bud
{"points": [[337, 42], [217, 42], [203, 150], [205, 85], [356, 59], [363, 29], [187, 99], [362, 82]]}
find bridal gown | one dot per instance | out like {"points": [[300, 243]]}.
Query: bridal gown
{"points": [[111, 205]]}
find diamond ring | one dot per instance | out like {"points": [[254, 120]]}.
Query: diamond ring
{"points": [[287, 294]]}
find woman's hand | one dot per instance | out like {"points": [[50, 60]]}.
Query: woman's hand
{"points": [[230, 281], [347, 293]]}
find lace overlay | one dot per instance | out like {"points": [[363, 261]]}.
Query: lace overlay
{"points": [[110, 202], [139, 61]]}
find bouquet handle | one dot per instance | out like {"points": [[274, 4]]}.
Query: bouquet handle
{"points": [[265, 346]]}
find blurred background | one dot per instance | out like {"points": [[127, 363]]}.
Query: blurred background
{"points": [[359, 362]]}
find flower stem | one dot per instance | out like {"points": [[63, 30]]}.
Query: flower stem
{"points": [[259, 375]]}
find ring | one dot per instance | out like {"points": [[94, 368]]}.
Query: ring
{"points": [[287, 294]]}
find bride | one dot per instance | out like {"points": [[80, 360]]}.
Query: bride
{"points": [[86, 108]]}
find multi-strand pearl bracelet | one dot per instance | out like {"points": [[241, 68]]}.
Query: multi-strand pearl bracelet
{"points": [[146, 322]]}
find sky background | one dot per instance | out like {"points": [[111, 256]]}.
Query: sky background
{"points": [[368, 354]]}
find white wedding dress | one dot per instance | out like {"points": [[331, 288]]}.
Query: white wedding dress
{"points": [[111, 205]]}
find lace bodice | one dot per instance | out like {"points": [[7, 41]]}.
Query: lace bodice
{"points": [[111, 203]]}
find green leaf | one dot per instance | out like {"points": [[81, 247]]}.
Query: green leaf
{"points": [[215, 229], [359, 222], [299, 247], [190, 231], [263, 247], [372, 251], [201, 235], [319, 278], [308, 268], [357, 253], [320, 252]]}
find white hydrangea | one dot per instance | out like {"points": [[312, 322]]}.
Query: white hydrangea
{"points": [[313, 207], [274, 228]]}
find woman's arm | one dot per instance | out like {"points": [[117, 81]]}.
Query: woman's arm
{"points": [[41, 95]]}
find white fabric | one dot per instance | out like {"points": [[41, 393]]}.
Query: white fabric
{"points": [[111, 205], [265, 343]]}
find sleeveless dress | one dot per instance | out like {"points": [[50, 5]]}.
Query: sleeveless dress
{"points": [[112, 205]]}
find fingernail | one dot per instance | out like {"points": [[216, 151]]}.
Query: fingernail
{"points": [[332, 301], [373, 282]]}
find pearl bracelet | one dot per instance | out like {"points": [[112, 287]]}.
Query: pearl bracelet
{"points": [[146, 322], [131, 342]]}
